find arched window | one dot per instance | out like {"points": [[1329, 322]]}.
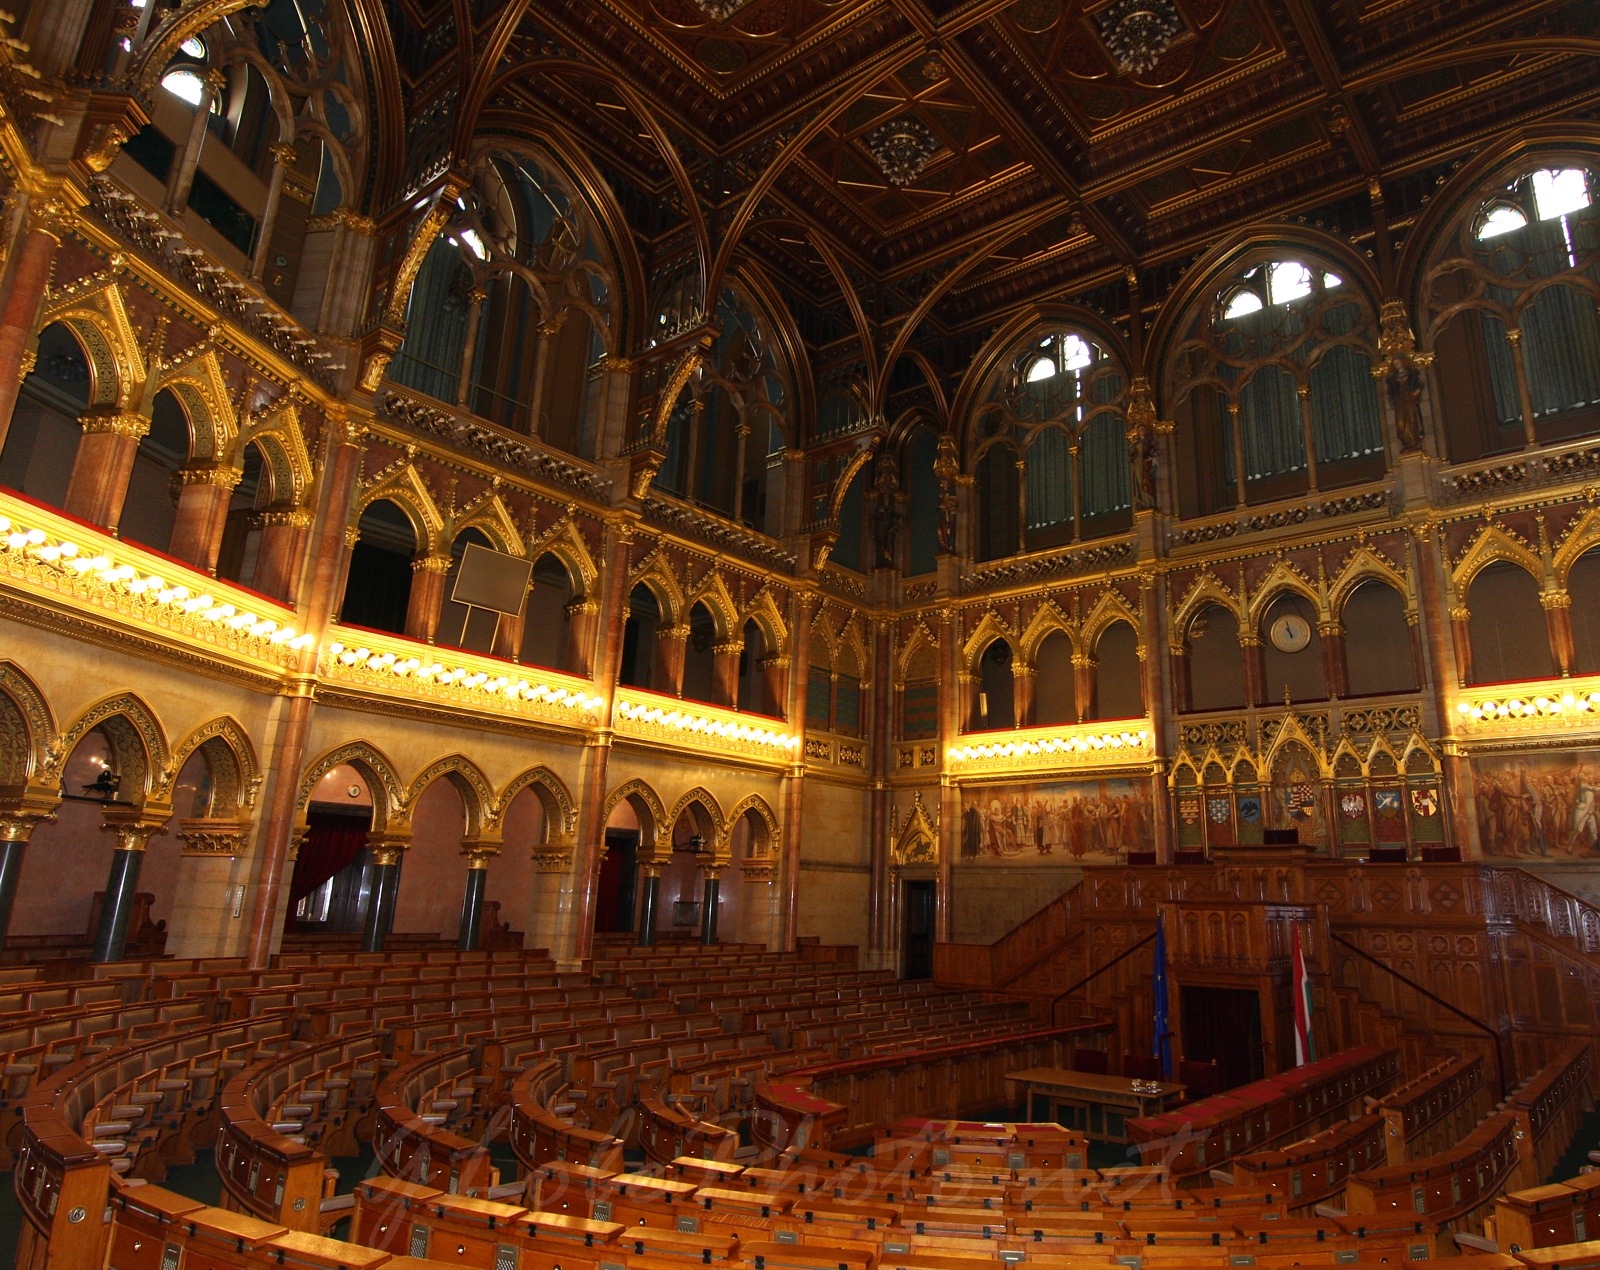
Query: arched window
{"points": [[997, 503], [1272, 387], [1511, 300], [517, 293], [1377, 641], [919, 699], [996, 707], [849, 550], [1583, 585], [241, 532], [922, 502], [42, 442], [377, 590], [1054, 681], [1119, 674], [725, 431], [847, 692], [1060, 399], [152, 499], [639, 638], [1216, 662], [699, 659], [545, 624], [1507, 627]]}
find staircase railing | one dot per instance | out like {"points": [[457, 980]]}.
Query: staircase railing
{"points": [[1491, 1033], [1522, 895], [1031, 941], [1122, 956]]}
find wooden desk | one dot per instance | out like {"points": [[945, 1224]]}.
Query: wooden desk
{"points": [[1089, 1103]]}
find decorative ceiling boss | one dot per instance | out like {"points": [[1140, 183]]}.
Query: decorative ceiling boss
{"points": [[1138, 33], [902, 148]]}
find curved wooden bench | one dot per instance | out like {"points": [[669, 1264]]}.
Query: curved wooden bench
{"points": [[417, 1144], [63, 1177], [540, 1134], [271, 1165]]}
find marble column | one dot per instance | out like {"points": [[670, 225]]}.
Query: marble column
{"points": [[22, 810], [472, 898], [284, 157], [104, 465], [134, 830], [387, 853], [725, 673], [202, 514], [427, 597], [672, 644], [708, 916], [19, 313], [651, 872], [282, 553], [1558, 623]]}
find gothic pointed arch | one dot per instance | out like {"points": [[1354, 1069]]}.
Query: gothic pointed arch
{"points": [[137, 740], [383, 781], [1109, 609], [560, 811], [657, 576], [1206, 590], [1048, 619], [765, 613], [1366, 565], [490, 517], [566, 544], [278, 432], [403, 485], [771, 844], [647, 806], [989, 629], [227, 732], [28, 736], [1282, 577], [93, 310], [918, 839], [1493, 544], [702, 797], [1581, 536], [196, 381], [714, 594], [477, 794]]}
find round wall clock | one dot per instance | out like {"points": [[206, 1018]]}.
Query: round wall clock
{"points": [[355, 790], [1290, 633]]}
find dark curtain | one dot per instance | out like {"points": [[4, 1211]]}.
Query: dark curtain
{"points": [[331, 843]]}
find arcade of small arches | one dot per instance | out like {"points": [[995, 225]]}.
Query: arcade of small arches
{"points": [[444, 853]]}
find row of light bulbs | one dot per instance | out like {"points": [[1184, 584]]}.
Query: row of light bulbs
{"points": [[70, 558], [436, 672], [685, 721], [1531, 708], [1052, 745]]}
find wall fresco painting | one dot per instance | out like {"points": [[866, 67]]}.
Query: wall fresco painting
{"points": [[1062, 821], [1538, 806]]}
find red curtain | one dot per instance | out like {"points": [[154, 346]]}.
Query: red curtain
{"points": [[331, 843]]}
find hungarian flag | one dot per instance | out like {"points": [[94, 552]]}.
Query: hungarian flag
{"points": [[1305, 1046]]}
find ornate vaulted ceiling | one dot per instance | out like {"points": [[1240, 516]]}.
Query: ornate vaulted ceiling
{"points": [[1066, 142]]}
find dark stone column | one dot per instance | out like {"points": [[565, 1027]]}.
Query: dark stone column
{"points": [[708, 919], [472, 901], [112, 937], [19, 814], [385, 888], [647, 906]]}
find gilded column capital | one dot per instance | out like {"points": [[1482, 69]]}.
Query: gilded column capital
{"points": [[387, 847], [1555, 600], [732, 646], [431, 564], [291, 518], [479, 854], [222, 475], [121, 424], [24, 808], [214, 837]]}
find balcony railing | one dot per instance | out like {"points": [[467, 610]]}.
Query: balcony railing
{"points": [[1098, 744], [702, 728], [64, 563], [1529, 706]]}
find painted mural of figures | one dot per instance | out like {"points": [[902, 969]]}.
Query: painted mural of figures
{"points": [[1079, 820], [1539, 807]]}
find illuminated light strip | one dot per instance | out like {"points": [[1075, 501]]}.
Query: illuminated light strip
{"points": [[1541, 706], [1051, 745], [70, 558], [440, 674], [688, 721]]}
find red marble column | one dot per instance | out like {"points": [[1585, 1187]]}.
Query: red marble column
{"points": [[672, 644], [725, 674], [597, 756], [1086, 685], [279, 558], [508, 636], [794, 781], [103, 467], [1255, 670], [1461, 637], [583, 618], [1180, 679], [1558, 622], [776, 670], [427, 596], [1023, 682], [1335, 669], [202, 515], [19, 313]]}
